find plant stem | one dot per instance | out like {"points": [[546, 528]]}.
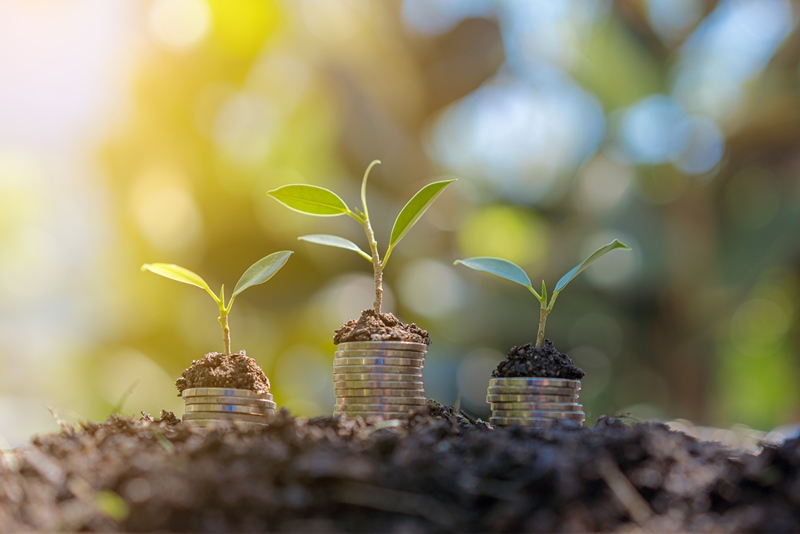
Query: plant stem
{"points": [[377, 268], [226, 331], [544, 311]]}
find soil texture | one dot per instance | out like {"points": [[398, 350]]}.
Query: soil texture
{"points": [[542, 362], [386, 327], [439, 472], [217, 370]]}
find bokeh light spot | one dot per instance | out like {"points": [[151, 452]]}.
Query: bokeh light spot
{"points": [[758, 322], [179, 24], [164, 210], [430, 288], [505, 232], [302, 379]]}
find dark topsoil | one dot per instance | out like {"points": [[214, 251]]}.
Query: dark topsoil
{"points": [[544, 362], [440, 472], [219, 370], [384, 327]]}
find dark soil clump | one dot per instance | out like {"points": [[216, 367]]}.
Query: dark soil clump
{"points": [[218, 370], [436, 473], [386, 327], [542, 362]]}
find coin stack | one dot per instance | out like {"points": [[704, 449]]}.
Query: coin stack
{"points": [[378, 378], [206, 406], [534, 401]]}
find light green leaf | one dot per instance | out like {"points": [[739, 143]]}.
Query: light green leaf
{"points": [[335, 241], [310, 199], [578, 269], [498, 267], [413, 210], [179, 274], [262, 270]]}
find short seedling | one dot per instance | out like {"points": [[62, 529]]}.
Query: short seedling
{"points": [[258, 273], [321, 202], [510, 271]]}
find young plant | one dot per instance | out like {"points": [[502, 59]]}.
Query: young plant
{"points": [[258, 273], [510, 271], [321, 202]]}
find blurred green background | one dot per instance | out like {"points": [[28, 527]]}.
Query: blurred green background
{"points": [[135, 132]]}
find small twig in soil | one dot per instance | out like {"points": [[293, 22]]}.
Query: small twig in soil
{"points": [[60, 422], [124, 397], [625, 491]]}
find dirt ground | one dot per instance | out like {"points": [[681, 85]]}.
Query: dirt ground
{"points": [[439, 472]]}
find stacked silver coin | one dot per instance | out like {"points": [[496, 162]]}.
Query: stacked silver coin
{"points": [[534, 401], [378, 378], [206, 406]]}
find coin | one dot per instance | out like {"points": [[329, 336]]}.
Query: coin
{"points": [[231, 400], [225, 392], [392, 377], [418, 401], [385, 345], [407, 362], [227, 408], [494, 390], [539, 414], [527, 398], [410, 354], [533, 381], [378, 384], [372, 392], [399, 369], [376, 408], [546, 406], [224, 417], [564, 399]]}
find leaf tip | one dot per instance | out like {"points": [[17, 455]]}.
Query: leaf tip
{"points": [[144, 268]]}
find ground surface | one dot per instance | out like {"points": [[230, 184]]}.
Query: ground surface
{"points": [[438, 473], [224, 371], [384, 327], [544, 361]]}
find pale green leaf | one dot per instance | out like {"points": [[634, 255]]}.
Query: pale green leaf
{"points": [[335, 241], [179, 274], [414, 209], [310, 199], [262, 270], [578, 269], [498, 267]]}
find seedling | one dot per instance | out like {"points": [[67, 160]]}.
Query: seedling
{"points": [[510, 271], [258, 273], [321, 202]]}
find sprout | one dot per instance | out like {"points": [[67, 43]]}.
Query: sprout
{"points": [[509, 271], [258, 273], [321, 202]]}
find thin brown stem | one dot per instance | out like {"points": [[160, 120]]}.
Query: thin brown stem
{"points": [[226, 332], [377, 268]]}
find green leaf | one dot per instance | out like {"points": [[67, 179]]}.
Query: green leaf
{"points": [[310, 199], [179, 274], [335, 241], [498, 267], [578, 269], [413, 210], [262, 270]]}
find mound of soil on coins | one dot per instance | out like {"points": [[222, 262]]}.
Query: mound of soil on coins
{"points": [[438, 472], [386, 327], [219, 370], [541, 362]]}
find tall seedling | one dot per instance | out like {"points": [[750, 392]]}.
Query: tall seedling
{"points": [[258, 273], [321, 202], [510, 271]]}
